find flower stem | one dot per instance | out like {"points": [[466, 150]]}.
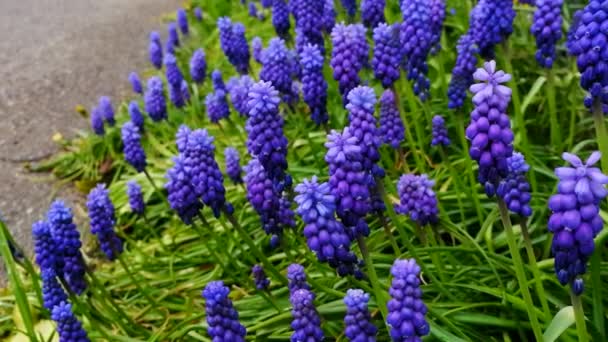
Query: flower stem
{"points": [[540, 289], [151, 181], [135, 281], [408, 133], [373, 278], [519, 269], [456, 179], [579, 316], [556, 139]]}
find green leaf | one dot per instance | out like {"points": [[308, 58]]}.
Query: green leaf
{"points": [[532, 93], [560, 322]]}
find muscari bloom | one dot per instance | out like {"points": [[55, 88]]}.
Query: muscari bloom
{"points": [[181, 194], [547, 29], [514, 189], [280, 18], [296, 277], [306, 323], [259, 277], [69, 328], [265, 3], [253, 10], [185, 93], [362, 124], [155, 50], [182, 21], [176, 95], [350, 6], [222, 319], [136, 198], [357, 321], [587, 41], [133, 151], [135, 83], [314, 86], [135, 114], [575, 220], [233, 164], [462, 74], [490, 128], [154, 99], [102, 220], [406, 310], [45, 251], [437, 18], [174, 75], [217, 80], [256, 48], [52, 292], [106, 110], [329, 15], [276, 66], [440, 132], [198, 66], [172, 37], [392, 131], [234, 44], [491, 24], [417, 199], [325, 236], [416, 39], [238, 88], [372, 12], [217, 106], [348, 56], [387, 54], [67, 245], [198, 13], [97, 124]]}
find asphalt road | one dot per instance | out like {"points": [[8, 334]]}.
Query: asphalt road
{"points": [[55, 54]]}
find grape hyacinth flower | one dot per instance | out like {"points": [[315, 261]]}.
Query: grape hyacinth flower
{"points": [[256, 48], [306, 323], [174, 75], [102, 220], [135, 83], [173, 36], [406, 310], [362, 124], [265, 138], [440, 132], [276, 66], [372, 12], [252, 10], [234, 44], [491, 24], [280, 18], [154, 99], [217, 106], [135, 114], [307, 14], [417, 199], [587, 42], [462, 74], [547, 29], [490, 129], [67, 244], [68, 327], [314, 85], [265, 3], [325, 236], [259, 277], [45, 250], [233, 164], [198, 66], [182, 21], [358, 321], [350, 6], [437, 18], [181, 195], [329, 16], [106, 110], [185, 92], [97, 124], [136, 198], [387, 54], [348, 56], [176, 95], [155, 50], [217, 80], [296, 277], [133, 151], [416, 38], [514, 189], [575, 220], [52, 292], [392, 131], [238, 88], [222, 319], [198, 13]]}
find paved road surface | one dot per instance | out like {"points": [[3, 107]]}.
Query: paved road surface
{"points": [[55, 54]]}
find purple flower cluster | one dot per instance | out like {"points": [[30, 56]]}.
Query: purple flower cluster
{"points": [[329, 15], [325, 236], [259, 277], [372, 12], [514, 189], [136, 198], [97, 124], [547, 28], [198, 66], [256, 48], [362, 124], [462, 74], [102, 220], [52, 292], [182, 21], [154, 99], [490, 129], [233, 164], [306, 323], [276, 67], [181, 195], [357, 321], [392, 131], [198, 13], [314, 85], [307, 14], [155, 50], [252, 9], [217, 106], [135, 114], [69, 328], [222, 319], [416, 38], [349, 56], [106, 109], [45, 253], [217, 80], [172, 38], [133, 151], [238, 88], [135, 83], [437, 18], [491, 23], [350, 6], [387, 54], [280, 18], [296, 278], [406, 310], [234, 44], [440, 132], [417, 199], [575, 220]]}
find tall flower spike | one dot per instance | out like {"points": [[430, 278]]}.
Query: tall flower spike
{"points": [[307, 14], [217, 106], [182, 21], [462, 74], [392, 131], [363, 125], [372, 12], [135, 83], [265, 3], [491, 23], [314, 86], [406, 310], [102, 220], [325, 236], [547, 29], [587, 41], [280, 18], [437, 18], [181, 195], [418, 200], [416, 39], [198, 13], [172, 37], [107, 110], [155, 50], [67, 244], [253, 10], [348, 56], [387, 54], [233, 164], [52, 292], [198, 66], [490, 128], [306, 323], [259, 277], [69, 328], [97, 124], [440, 132], [133, 151], [135, 114], [296, 277], [265, 138], [238, 87], [217, 80], [222, 319], [329, 15], [514, 189], [256, 48], [45, 250], [136, 198], [357, 322], [174, 75], [275, 66], [185, 92], [575, 220], [350, 6], [154, 99], [234, 44], [176, 95]]}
